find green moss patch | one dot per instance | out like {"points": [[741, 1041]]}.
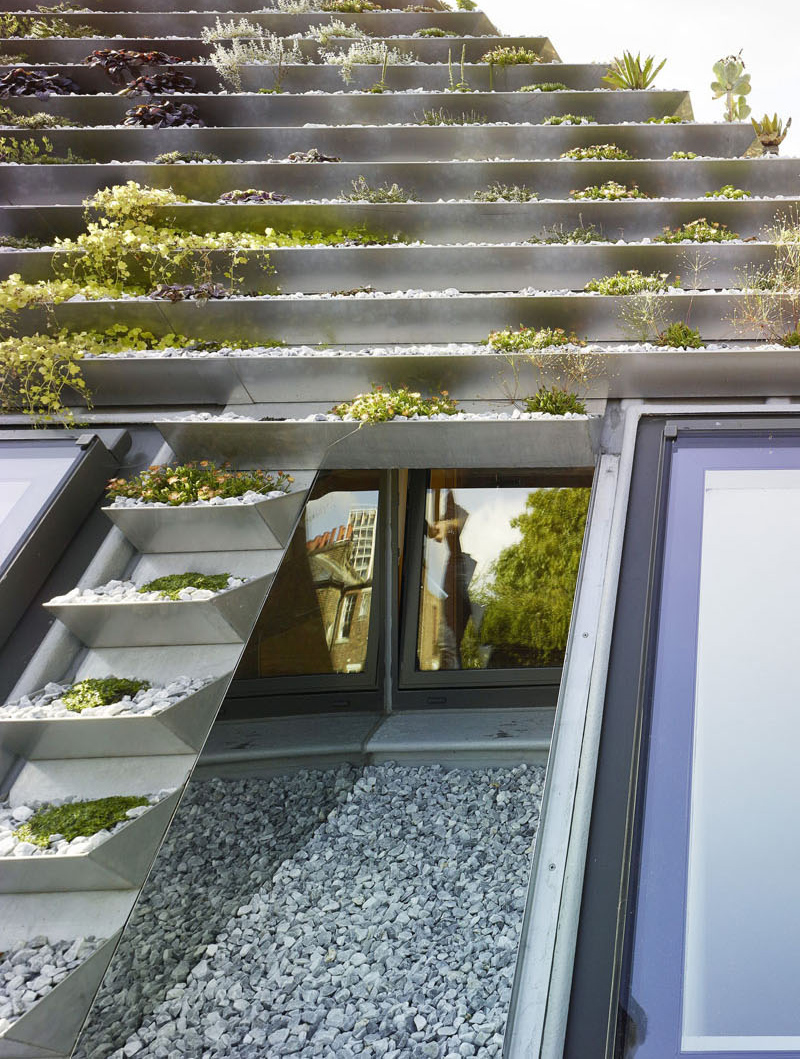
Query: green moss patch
{"points": [[77, 819], [170, 585], [100, 691]]}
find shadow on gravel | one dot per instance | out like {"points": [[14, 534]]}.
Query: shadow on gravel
{"points": [[227, 839]]}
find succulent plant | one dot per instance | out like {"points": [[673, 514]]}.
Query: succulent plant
{"points": [[771, 131], [732, 82], [629, 71], [179, 292], [251, 195]]}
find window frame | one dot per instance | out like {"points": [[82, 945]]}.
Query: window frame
{"points": [[605, 926], [426, 688]]}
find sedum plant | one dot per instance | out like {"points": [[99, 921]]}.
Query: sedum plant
{"points": [[170, 586], [383, 404], [176, 157], [668, 119], [77, 819], [545, 86], [682, 155], [101, 691], [555, 401], [607, 152], [364, 192], [556, 233], [699, 231], [733, 83], [498, 192], [506, 55], [629, 72], [569, 119], [631, 282], [609, 191], [20, 242], [525, 339], [188, 483], [431, 31], [680, 336], [42, 120], [728, 191]]}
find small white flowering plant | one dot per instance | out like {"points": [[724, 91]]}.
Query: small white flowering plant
{"points": [[385, 403]]}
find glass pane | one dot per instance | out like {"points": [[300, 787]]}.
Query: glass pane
{"points": [[317, 617], [500, 562], [29, 475], [742, 940]]}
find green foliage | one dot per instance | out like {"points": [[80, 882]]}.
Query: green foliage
{"points": [[569, 119], [628, 72], [462, 84], [383, 404], [504, 55], [29, 152], [189, 482], [791, 339], [76, 819], [20, 242], [173, 157], [556, 233], [728, 191], [678, 155], [670, 119], [466, 5], [12, 58], [39, 28], [334, 30], [555, 401], [771, 131], [529, 592], [445, 117], [505, 193], [100, 691], [171, 585], [350, 7], [545, 86], [610, 191], [680, 336], [699, 231], [631, 282], [733, 83], [364, 192], [431, 31], [607, 152], [42, 120], [525, 339]]}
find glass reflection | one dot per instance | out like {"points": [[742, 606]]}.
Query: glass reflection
{"points": [[499, 569], [317, 617]]}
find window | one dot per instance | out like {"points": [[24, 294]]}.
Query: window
{"points": [[493, 563], [346, 619], [710, 936]]}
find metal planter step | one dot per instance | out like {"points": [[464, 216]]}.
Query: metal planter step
{"points": [[314, 320], [467, 268], [265, 524], [119, 863], [225, 618], [257, 111], [440, 222], [191, 23], [465, 443], [311, 77], [424, 159], [453, 179], [427, 49], [49, 1028], [181, 729]]}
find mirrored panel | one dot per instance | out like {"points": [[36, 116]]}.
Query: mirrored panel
{"points": [[500, 559], [318, 617]]}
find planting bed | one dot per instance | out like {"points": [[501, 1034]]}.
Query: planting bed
{"points": [[48, 703]]}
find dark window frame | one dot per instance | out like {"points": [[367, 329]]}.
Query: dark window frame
{"points": [[602, 954]]}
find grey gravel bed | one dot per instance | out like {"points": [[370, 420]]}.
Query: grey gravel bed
{"points": [[30, 969], [391, 931]]}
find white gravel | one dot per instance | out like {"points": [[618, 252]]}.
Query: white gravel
{"points": [[47, 703], [250, 497], [388, 929], [30, 969], [12, 817], [326, 417], [128, 592]]}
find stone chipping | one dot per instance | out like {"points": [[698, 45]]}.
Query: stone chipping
{"points": [[388, 929]]}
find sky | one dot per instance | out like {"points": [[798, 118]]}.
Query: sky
{"points": [[690, 34]]}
